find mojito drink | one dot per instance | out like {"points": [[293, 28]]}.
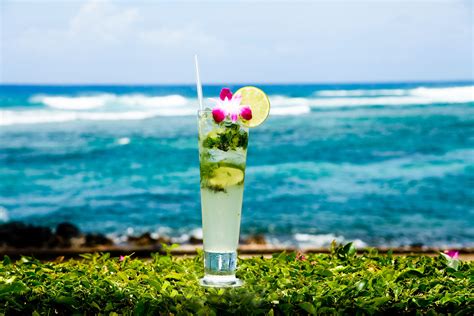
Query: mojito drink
{"points": [[222, 154], [223, 140]]}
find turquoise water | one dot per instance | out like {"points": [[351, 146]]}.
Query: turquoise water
{"points": [[385, 164]]}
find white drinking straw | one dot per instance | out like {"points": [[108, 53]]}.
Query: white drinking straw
{"points": [[198, 82]]}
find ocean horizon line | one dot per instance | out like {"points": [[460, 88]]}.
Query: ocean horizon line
{"points": [[219, 84]]}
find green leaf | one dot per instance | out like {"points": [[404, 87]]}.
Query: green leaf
{"points": [[376, 302], [66, 300], [173, 293], [174, 275], [453, 264], [15, 287], [409, 274], [308, 307], [229, 138], [95, 305], [339, 283], [6, 260], [361, 285], [349, 250], [324, 272]]}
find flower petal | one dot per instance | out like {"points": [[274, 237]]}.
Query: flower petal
{"points": [[225, 93], [234, 117], [246, 113], [237, 98], [218, 114], [452, 253]]}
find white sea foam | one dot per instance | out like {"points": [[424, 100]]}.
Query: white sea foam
{"points": [[111, 107], [106, 99], [123, 141], [281, 105], [421, 95], [196, 233], [455, 93], [360, 92], [298, 240], [149, 101], [283, 101], [72, 103], [3, 215], [302, 241], [384, 97], [290, 110], [8, 117], [322, 240], [386, 101], [445, 92]]}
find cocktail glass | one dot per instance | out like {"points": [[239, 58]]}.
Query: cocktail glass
{"points": [[222, 156]]}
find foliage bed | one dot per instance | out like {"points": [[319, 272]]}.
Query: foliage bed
{"points": [[335, 283]]}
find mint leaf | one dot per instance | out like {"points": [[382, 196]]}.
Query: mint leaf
{"points": [[230, 138]]}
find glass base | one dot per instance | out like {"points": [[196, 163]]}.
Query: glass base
{"points": [[219, 270], [220, 281]]}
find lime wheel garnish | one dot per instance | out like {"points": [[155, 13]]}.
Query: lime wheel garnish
{"points": [[258, 102]]}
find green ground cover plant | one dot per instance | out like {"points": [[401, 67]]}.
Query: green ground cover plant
{"points": [[286, 284]]}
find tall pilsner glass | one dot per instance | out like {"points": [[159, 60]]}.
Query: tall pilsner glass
{"points": [[222, 156]]}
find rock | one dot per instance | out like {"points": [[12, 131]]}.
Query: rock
{"points": [[67, 230], [164, 240], [142, 240], [93, 240], [255, 240], [417, 246], [19, 235], [194, 240], [147, 240], [77, 242]]}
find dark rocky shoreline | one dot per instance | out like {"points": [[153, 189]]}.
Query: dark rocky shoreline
{"points": [[66, 235], [66, 240]]}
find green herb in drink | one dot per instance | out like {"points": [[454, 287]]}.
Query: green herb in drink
{"points": [[229, 138]]}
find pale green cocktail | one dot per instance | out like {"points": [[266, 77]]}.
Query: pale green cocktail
{"points": [[223, 139], [222, 156]]}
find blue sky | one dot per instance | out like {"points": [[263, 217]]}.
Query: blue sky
{"points": [[146, 42]]}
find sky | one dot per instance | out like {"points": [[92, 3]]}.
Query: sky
{"points": [[153, 42]]}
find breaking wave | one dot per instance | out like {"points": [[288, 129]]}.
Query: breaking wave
{"points": [[44, 108]]}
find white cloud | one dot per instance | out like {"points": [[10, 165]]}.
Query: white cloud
{"points": [[103, 21], [153, 41], [185, 38], [99, 24]]}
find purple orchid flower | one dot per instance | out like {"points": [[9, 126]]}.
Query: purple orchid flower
{"points": [[218, 114], [225, 94], [246, 113], [228, 106]]}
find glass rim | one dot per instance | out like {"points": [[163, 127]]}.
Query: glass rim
{"points": [[200, 114], [199, 111], [203, 113]]}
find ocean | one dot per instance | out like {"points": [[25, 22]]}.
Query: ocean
{"points": [[378, 164]]}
